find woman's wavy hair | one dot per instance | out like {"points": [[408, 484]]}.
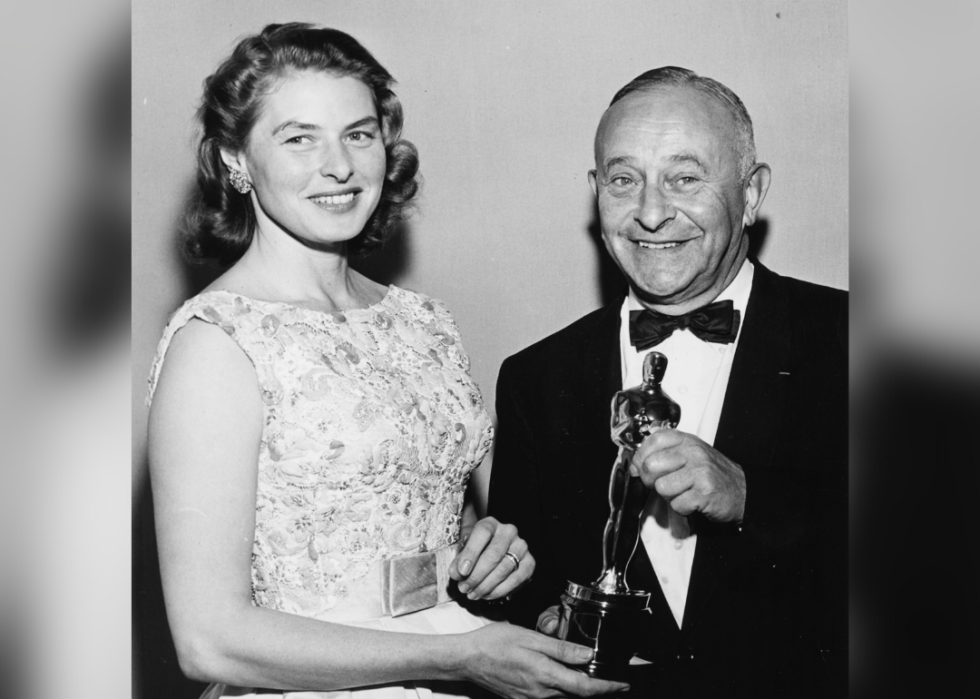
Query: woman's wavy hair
{"points": [[220, 223]]}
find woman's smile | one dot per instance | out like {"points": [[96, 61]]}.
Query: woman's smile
{"points": [[337, 203]]}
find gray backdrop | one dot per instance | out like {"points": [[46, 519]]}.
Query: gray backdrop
{"points": [[502, 100]]}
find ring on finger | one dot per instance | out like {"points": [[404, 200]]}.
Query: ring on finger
{"points": [[515, 559]]}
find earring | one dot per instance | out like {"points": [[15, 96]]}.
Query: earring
{"points": [[239, 181]]}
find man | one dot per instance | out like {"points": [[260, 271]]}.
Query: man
{"points": [[744, 536]]}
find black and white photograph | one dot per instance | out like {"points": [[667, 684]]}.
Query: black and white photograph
{"points": [[490, 349]]}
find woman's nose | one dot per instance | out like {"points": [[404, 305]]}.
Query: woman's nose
{"points": [[336, 163]]}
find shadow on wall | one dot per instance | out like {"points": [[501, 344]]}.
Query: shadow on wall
{"points": [[612, 284], [156, 674], [390, 263]]}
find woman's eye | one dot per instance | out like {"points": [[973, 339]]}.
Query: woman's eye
{"points": [[298, 139], [360, 136]]}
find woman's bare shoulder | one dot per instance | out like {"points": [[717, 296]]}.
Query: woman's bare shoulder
{"points": [[204, 364]]}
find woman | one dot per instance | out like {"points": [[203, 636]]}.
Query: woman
{"points": [[311, 431]]}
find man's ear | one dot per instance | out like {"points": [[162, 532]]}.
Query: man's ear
{"points": [[592, 183], [756, 187], [235, 161]]}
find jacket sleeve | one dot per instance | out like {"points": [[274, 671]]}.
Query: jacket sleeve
{"points": [[515, 493]]}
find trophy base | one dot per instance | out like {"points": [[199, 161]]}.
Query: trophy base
{"points": [[607, 622]]}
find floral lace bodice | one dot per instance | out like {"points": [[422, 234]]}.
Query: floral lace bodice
{"points": [[372, 427]]}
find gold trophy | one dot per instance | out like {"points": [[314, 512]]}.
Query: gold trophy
{"points": [[607, 615]]}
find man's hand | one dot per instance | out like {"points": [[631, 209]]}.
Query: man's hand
{"points": [[548, 621], [690, 475]]}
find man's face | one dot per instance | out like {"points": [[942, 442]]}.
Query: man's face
{"points": [[672, 206]]}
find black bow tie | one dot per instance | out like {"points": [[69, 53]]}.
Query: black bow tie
{"points": [[716, 322]]}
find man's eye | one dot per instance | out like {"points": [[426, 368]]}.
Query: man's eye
{"points": [[621, 181], [685, 180]]}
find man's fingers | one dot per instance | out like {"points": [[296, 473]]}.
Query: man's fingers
{"points": [[661, 439], [548, 621], [674, 483], [687, 503], [657, 464]]}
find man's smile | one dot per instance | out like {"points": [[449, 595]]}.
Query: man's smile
{"points": [[657, 246]]}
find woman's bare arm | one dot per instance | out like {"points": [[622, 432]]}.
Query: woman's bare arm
{"points": [[205, 429]]}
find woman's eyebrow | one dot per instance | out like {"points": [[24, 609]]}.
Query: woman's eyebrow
{"points": [[295, 125], [366, 121]]}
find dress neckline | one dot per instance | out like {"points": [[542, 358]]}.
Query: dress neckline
{"points": [[392, 289]]}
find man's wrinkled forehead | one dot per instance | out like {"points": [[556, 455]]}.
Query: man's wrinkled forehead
{"points": [[658, 114]]}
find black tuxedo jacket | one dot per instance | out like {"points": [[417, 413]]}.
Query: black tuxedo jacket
{"points": [[766, 611]]}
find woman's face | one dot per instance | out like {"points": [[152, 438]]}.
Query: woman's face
{"points": [[316, 159]]}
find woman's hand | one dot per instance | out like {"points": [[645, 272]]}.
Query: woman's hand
{"points": [[520, 664], [494, 562]]}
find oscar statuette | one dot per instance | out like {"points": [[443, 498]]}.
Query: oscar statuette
{"points": [[606, 615]]}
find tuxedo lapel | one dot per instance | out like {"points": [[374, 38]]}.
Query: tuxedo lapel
{"points": [[750, 421], [603, 373], [752, 413], [581, 380], [600, 377]]}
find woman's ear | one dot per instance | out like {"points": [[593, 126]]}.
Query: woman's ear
{"points": [[756, 186], [235, 161]]}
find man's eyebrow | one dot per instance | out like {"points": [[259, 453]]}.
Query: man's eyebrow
{"points": [[618, 160], [688, 157]]}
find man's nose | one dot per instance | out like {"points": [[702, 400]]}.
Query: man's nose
{"points": [[655, 207], [336, 163]]}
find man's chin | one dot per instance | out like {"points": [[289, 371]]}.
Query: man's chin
{"points": [[659, 294]]}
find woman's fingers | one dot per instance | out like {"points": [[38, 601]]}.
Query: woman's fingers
{"points": [[480, 536], [514, 662], [574, 682], [494, 561], [505, 578], [496, 566]]}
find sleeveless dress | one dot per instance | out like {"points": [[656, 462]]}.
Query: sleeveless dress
{"points": [[372, 426]]}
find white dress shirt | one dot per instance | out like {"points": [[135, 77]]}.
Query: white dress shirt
{"points": [[697, 379]]}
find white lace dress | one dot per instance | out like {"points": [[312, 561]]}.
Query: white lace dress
{"points": [[372, 427]]}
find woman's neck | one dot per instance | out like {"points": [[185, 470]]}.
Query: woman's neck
{"points": [[288, 271]]}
